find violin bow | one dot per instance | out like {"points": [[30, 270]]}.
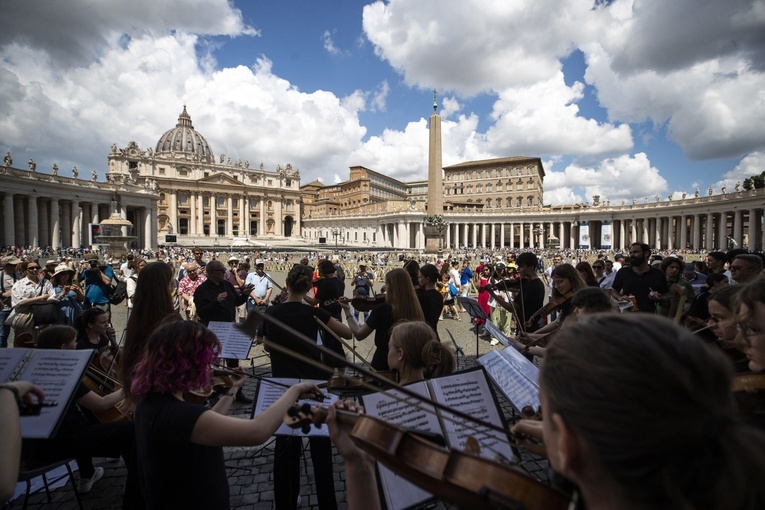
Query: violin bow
{"points": [[255, 318], [273, 282], [342, 341], [457, 348]]}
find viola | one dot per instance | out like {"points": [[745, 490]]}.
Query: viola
{"points": [[463, 479], [553, 305], [97, 385]]}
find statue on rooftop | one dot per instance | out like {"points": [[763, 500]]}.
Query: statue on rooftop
{"points": [[7, 160], [75, 173]]}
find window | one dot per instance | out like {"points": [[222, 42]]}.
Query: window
{"points": [[529, 201], [221, 231], [207, 174], [488, 203], [206, 229], [183, 198], [479, 189], [288, 182], [253, 204], [133, 165], [220, 202], [488, 188], [235, 230], [235, 203], [519, 202], [161, 171], [206, 201], [270, 205], [253, 228], [183, 226], [509, 202], [162, 198]]}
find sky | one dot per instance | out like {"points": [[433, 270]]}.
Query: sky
{"points": [[619, 98]]}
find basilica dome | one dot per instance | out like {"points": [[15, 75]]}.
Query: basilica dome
{"points": [[183, 138]]}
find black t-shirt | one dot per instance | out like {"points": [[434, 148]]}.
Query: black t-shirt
{"points": [[628, 281], [381, 321], [432, 303], [330, 289], [176, 473], [300, 317], [208, 307], [84, 343], [531, 299]]}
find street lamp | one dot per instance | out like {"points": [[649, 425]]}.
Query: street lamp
{"points": [[336, 231]]}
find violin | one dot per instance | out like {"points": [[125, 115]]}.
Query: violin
{"points": [[364, 304], [463, 479], [506, 285], [749, 392], [351, 386], [98, 385], [555, 303], [218, 384]]}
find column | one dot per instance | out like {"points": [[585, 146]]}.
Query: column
{"points": [[278, 218], [483, 235], [683, 232], [657, 229], [200, 218], [94, 214], [738, 228], [709, 232], [229, 215], [152, 230], [9, 228], [395, 235], [752, 229], [34, 236], [722, 232], [19, 224], [55, 231], [192, 221], [573, 237], [542, 236], [262, 217], [501, 236], [76, 224], [243, 215], [448, 236], [213, 215], [465, 227], [522, 235], [696, 225], [44, 227], [532, 243], [174, 210], [66, 225], [511, 233], [493, 243], [644, 231]]}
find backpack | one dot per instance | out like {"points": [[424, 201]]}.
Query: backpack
{"points": [[118, 293]]}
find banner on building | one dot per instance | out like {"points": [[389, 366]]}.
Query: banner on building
{"points": [[584, 236], [605, 235]]}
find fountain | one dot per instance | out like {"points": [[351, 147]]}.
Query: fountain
{"points": [[114, 232]]}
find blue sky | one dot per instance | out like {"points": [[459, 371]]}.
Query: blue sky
{"points": [[629, 98]]}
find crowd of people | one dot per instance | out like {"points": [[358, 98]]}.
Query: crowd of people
{"points": [[596, 327]]}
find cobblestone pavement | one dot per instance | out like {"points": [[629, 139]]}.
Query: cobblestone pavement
{"points": [[250, 468]]}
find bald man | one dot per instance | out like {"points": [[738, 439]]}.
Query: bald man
{"points": [[188, 286]]}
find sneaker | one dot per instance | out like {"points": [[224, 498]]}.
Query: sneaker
{"points": [[440, 318], [494, 341], [85, 484]]}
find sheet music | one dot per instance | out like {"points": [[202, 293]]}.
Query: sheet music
{"points": [[470, 393], [234, 342], [496, 333], [522, 364], [399, 493], [57, 372], [269, 393], [512, 382]]}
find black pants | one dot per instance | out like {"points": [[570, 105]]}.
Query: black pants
{"points": [[287, 472], [110, 440]]}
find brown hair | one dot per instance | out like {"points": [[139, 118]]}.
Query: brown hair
{"points": [[568, 272], [669, 440], [399, 292], [421, 348]]}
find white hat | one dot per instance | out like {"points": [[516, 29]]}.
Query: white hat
{"points": [[233, 258], [259, 262], [63, 268]]}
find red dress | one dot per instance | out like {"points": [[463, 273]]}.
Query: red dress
{"points": [[483, 299]]}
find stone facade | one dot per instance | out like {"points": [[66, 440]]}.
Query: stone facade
{"points": [[209, 202]]}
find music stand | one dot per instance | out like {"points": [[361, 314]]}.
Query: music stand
{"points": [[475, 311]]}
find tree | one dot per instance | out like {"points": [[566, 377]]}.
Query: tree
{"points": [[755, 182]]}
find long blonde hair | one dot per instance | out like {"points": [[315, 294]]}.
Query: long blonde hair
{"points": [[401, 296]]}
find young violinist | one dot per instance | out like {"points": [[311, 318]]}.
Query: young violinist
{"points": [[431, 301], [180, 444], [724, 324], [751, 324], [94, 330], [80, 438], [329, 289], [566, 282], [400, 304], [484, 296], [531, 295], [416, 353], [294, 312]]}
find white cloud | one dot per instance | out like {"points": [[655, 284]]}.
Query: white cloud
{"points": [[329, 44], [450, 105], [751, 164], [621, 177], [380, 96]]}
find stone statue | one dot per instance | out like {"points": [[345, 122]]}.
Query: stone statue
{"points": [[55, 169], [75, 173], [261, 167], [684, 195], [623, 202], [7, 160], [696, 195], [151, 152], [669, 197], [94, 176], [247, 163], [634, 201], [222, 158], [239, 163], [114, 148], [229, 162], [724, 189], [32, 165], [737, 187], [710, 191], [658, 197]]}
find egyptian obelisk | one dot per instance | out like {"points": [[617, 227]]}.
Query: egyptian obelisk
{"points": [[435, 178]]}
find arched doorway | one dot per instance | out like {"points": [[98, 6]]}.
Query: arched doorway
{"points": [[288, 222]]}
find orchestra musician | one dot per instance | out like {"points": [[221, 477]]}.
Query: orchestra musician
{"points": [[626, 441], [79, 438], [180, 444], [530, 296], [431, 301], [296, 313], [566, 282], [417, 354], [724, 324], [400, 304], [750, 316], [329, 289]]}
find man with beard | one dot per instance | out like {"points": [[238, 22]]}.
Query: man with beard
{"points": [[646, 283]]}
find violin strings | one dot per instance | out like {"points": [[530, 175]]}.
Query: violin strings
{"points": [[417, 405], [256, 316]]}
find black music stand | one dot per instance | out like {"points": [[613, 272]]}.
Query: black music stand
{"points": [[475, 311]]}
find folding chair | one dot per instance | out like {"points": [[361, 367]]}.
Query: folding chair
{"points": [[28, 473]]}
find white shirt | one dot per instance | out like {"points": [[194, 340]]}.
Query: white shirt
{"points": [[25, 289]]}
